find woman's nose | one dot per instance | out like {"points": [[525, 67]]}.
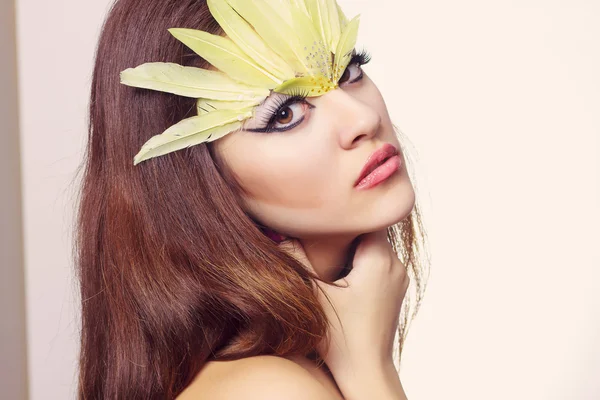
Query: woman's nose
{"points": [[354, 120]]}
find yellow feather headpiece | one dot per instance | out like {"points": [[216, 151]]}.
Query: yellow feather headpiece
{"points": [[271, 46]]}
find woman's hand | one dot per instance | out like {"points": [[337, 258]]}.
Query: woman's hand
{"points": [[368, 307]]}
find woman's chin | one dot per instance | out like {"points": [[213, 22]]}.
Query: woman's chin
{"points": [[390, 205]]}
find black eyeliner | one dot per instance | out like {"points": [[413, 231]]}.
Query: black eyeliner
{"points": [[294, 97], [269, 129]]}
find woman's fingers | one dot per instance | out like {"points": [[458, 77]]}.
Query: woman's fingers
{"points": [[363, 313], [373, 256]]}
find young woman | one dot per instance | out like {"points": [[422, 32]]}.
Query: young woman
{"points": [[263, 263]]}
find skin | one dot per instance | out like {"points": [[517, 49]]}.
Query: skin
{"points": [[301, 182]]}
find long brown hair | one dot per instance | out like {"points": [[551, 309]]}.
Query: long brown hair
{"points": [[172, 271]]}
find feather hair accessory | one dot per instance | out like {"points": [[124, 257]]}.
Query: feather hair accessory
{"points": [[271, 46]]}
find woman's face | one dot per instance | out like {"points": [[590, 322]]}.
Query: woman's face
{"points": [[300, 177]]}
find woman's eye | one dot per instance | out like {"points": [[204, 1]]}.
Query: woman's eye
{"points": [[289, 116], [284, 115], [352, 74]]}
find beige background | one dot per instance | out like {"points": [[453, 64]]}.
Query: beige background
{"points": [[501, 102]]}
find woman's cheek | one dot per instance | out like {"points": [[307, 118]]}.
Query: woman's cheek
{"points": [[292, 182]]}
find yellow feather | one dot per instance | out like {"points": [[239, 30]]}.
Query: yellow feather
{"points": [[192, 131], [225, 55], [290, 41], [311, 43], [334, 24], [190, 82], [343, 19], [346, 44], [272, 33], [282, 8], [301, 5], [320, 17], [205, 106], [313, 85], [242, 34]]}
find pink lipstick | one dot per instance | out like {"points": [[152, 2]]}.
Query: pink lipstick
{"points": [[382, 164]]}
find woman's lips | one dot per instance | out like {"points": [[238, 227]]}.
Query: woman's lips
{"points": [[375, 162], [381, 173]]}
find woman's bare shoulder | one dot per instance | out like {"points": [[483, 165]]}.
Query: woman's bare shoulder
{"points": [[262, 377]]}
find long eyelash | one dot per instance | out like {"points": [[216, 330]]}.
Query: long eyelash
{"points": [[361, 57], [296, 96]]}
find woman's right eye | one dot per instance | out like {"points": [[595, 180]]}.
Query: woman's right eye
{"points": [[286, 115], [289, 116]]}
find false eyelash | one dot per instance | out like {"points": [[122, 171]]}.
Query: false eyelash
{"points": [[361, 57], [295, 96]]}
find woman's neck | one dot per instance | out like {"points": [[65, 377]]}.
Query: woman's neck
{"points": [[330, 256]]}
